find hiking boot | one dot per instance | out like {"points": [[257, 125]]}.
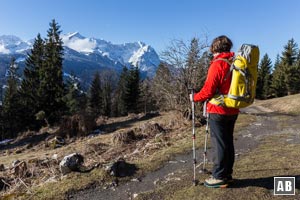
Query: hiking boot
{"points": [[212, 182]]}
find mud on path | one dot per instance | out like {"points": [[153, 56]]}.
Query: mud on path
{"points": [[180, 167]]}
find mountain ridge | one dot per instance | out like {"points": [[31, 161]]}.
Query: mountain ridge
{"points": [[83, 54]]}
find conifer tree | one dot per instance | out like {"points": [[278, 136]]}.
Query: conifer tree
{"points": [[51, 88], [264, 78], [2, 124], [120, 96], [278, 85], [294, 79], [132, 91], [288, 58], [196, 70], [107, 96], [11, 104], [147, 100], [197, 64], [31, 82], [95, 96], [75, 98]]}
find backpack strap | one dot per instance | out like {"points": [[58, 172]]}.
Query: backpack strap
{"points": [[229, 63]]}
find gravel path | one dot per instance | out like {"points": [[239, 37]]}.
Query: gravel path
{"points": [[248, 139]]}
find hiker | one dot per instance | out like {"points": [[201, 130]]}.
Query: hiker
{"points": [[221, 119]]}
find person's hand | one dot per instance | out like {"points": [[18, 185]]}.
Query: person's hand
{"points": [[191, 97]]}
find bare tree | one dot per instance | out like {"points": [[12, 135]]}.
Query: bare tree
{"points": [[185, 67]]}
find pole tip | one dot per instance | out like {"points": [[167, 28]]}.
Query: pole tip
{"points": [[195, 182]]}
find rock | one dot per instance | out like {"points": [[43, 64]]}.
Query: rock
{"points": [[2, 168], [3, 184], [70, 163], [19, 168], [54, 157], [123, 137], [135, 195], [136, 180], [14, 163], [18, 151], [122, 169]]}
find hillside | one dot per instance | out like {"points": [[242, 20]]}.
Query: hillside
{"points": [[267, 142], [287, 104]]}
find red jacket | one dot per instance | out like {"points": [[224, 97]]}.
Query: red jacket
{"points": [[215, 82]]}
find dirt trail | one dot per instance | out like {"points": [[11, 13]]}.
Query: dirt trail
{"points": [[249, 138]]}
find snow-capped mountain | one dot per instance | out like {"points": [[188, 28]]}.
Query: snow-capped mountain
{"points": [[83, 56], [137, 54], [10, 44]]}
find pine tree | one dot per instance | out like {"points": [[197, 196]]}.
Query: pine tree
{"points": [[51, 88], [31, 82], [120, 96], [75, 98], [95, 97], [264, 78], [132, 92], [288, 58], [192, 63], [196, 73], [147, 100], [278, 85], [2, 124], [295, 75], [11, 104], [107, 96]]}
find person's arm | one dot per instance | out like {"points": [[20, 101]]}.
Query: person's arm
{"points": [[211, 84]]}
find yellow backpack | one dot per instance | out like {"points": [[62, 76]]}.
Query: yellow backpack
{"points": [[244, 77]]}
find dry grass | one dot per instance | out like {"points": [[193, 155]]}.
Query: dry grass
{"points": [[287, 104], [149, 153], [102, 149], [254, 174]]}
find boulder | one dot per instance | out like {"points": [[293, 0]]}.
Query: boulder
{"points": [[72, 162], [2, 168], [121, 169]]}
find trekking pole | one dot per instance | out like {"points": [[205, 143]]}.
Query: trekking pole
{"points": [[194, 137], [205, 114]]}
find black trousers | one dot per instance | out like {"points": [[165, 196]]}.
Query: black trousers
{"points": [[221, 129]]}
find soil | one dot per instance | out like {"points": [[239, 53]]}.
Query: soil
{"points": [[267, 123]]}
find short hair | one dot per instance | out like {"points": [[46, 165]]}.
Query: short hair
{"points": [[221, 44]]}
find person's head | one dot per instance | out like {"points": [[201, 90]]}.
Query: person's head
{"points": [[220, 44]]}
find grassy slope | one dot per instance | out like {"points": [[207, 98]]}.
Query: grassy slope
{"points": [[180, 142], [287, 104], [252, 166], [254, 171]]}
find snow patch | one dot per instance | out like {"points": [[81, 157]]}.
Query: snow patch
{"points": [[81, 45], [3, 49], [137, 56], [21, 59]]}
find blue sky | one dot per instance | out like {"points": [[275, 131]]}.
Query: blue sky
{"points": [[267, 23]]}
